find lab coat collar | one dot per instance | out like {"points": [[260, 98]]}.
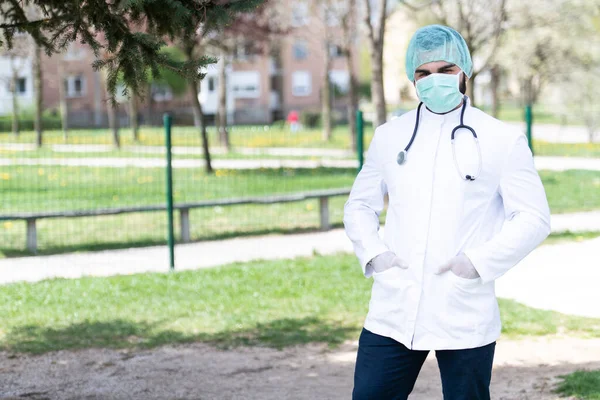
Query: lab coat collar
{"points": [[453, 115]]}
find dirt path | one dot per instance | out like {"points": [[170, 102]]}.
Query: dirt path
{"points": [[524, 370]]}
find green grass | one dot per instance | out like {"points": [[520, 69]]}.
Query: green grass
{"points": [[582, 385], [541, 148], [47, 152], [57, 236], [541, 115], [571, 191], [53, 188], [65, 188], [268, 303], [566, 149], [242, 136], [27, 189], [562, 237]]}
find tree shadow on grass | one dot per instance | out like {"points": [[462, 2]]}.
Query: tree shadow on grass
{"points": [[122, 334]]}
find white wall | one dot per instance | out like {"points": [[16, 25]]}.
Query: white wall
{"points": [[25, 99], [210, 98]]}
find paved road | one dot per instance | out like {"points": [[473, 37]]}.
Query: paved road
{"points": [[562, 277]]}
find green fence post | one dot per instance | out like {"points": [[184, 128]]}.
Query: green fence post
{"points": [[360, 138], [529, 122], [171, 239]]}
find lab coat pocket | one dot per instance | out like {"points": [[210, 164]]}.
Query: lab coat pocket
{"points": [[390, 295], [471, 305], [387, 271], [465, 282]]}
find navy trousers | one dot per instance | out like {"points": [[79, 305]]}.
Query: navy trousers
{"points": [[386, 369]]}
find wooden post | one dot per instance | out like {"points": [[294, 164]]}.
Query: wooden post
{"points": [[31, 235], [184, 219], [324, 210]]}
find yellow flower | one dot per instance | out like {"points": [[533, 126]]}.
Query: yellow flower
{"points": [[63, 184], [309, 207], [5, 176], [40, 172], [8, 225]]}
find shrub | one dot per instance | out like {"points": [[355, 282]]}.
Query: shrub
{"points": [[310, 119]]}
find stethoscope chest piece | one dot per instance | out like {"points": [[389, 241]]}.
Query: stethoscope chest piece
{"points": [[401, 158]]}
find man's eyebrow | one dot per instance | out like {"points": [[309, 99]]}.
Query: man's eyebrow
{"points": [[440, 69], [446, 67]]}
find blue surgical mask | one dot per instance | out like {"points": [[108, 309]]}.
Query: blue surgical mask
{"points": [[440, 92]]}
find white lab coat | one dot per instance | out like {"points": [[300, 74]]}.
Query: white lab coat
{"points": [[434, 215]]}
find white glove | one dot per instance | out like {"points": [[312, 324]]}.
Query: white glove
{"points": [[460, 266], [386, 261]]}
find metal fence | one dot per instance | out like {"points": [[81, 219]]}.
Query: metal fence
{"points": [[81, 194]]}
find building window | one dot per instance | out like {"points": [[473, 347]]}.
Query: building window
{"points": [[245, 51], [332, 15], [336, 51], [246, 84], [20, 86], [161, 93], [75, 86], [341, 80], [301, 83], [74, 52], [211, 84], [300, 14], [300, 50]]}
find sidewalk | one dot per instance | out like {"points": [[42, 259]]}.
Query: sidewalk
{"points": [[562, 277], [541, 163], [556, 133]]}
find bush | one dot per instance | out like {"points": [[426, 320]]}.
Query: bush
{"points": [[26, 123], [310, 119], [278, 124]]}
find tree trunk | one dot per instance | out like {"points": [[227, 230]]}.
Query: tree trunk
{"points": [[37, 87], [353, 106], [133, 117], [495, 84], [326, 97], [200, 124], [222, 108], [471, 89], [113, 122], [348, 24], [15, 102], [63, 104], [149, 99], [377, 91], [376, 34]]}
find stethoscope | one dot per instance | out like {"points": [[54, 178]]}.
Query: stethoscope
{"points": [[401, 159]]}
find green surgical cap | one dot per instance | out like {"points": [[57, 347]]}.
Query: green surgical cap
{"points": [[437, 43]]}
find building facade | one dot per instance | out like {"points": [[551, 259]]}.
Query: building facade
{"points": [[261, 87]]}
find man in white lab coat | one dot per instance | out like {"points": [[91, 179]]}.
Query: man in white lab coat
{"points": [[460, 215]]}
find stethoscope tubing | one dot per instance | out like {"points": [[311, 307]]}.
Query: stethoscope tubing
{"points": [[402, 155]]}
